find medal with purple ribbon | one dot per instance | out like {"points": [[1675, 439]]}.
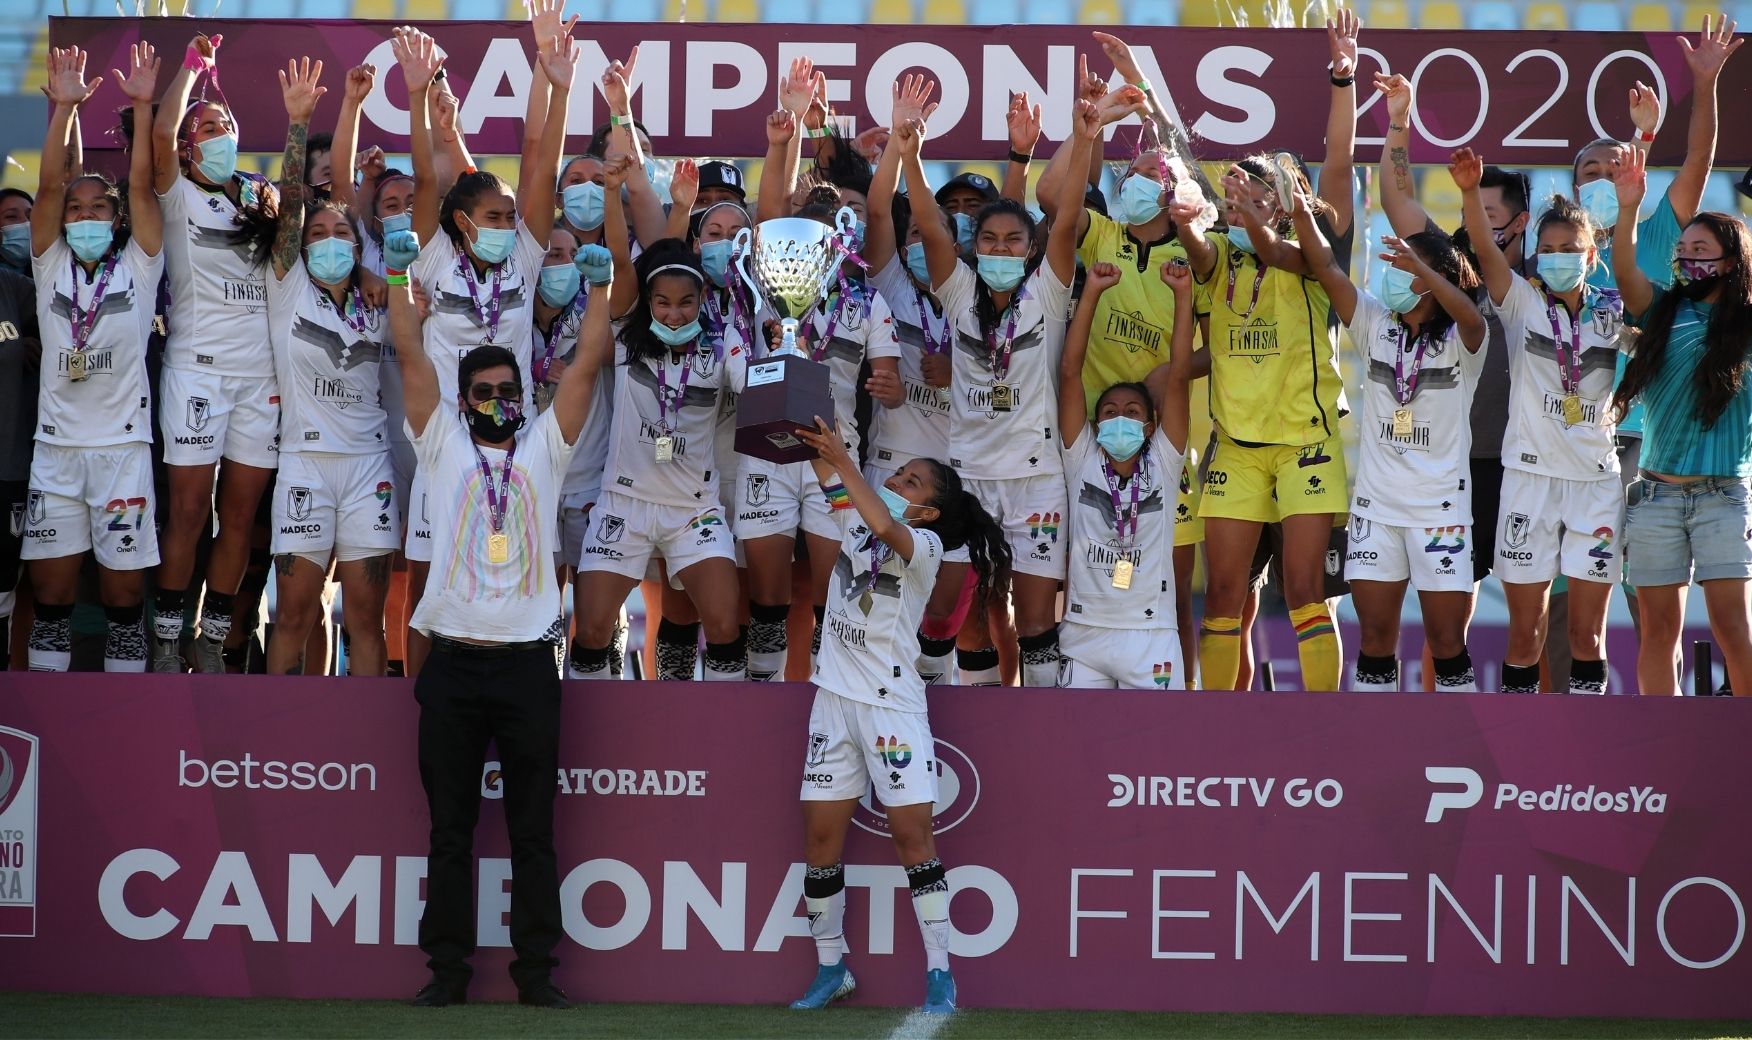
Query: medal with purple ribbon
{"points": [[1405, 382], [1569, 369], [84, 321], [498, 542], [1122, 566], [487, 317]]}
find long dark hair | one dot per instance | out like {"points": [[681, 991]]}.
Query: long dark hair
{"points": [[636, 331], [844, 168], [961, 520], [983, 306], [258, 216], [314, 207], [1438, 250], [1722, 373], [390, 176], [463, 195]]}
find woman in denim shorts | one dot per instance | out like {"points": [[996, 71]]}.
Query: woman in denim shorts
{"points": [[1689, 514]]}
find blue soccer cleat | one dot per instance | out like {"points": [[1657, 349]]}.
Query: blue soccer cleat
{"points": [[939, 992], [832, 982]]}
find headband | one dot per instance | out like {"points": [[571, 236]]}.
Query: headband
{"points": [[691, 272]]}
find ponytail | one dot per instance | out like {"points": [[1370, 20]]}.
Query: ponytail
{"points": [[961, 520]]}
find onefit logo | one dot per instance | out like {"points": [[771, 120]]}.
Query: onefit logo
{"points": [[1558, 798], [957, 791]]}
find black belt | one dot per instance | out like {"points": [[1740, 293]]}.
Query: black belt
{"points": [[462, 649]]}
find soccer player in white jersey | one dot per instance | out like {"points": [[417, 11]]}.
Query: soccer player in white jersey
{"points": [[1562, 503], [96, 276], [1421, 344], [335, 493], [482, 271], [1122, 477], [774, 501], [1010, 329], [660, 486], [867, 727], [220, 402]]}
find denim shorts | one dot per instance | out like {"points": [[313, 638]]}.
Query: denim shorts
{"points": [[1674, 533]]}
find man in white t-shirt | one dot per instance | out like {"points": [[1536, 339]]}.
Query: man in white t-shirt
{"points": [[491, 603]]}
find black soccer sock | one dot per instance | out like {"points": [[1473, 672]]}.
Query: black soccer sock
{"points": [[1587, 677], [824, 897], [1520, 678], [815, 638], [1454, 674], [979, 667], [589, 662], [678, 648], [1376, 674], [767, 640], [727, 662], [934, 658], [1040, 658], [167, 613], [51, 638]]}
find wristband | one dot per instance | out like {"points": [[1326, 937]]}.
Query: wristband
{"points": [[1645, 137], [1020, 158], [837, 496], [821, 131], [1143, 85], [395, 277], [620, 120], [194, 61], [1347, 81]]}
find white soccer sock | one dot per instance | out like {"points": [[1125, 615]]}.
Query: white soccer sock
{"points": [[930, 892], [1375, 674], [1040, 659], [727, 662], [767, 643], [936, 661], [124, 647], [51, 639], [979, 667], [827, 911]]}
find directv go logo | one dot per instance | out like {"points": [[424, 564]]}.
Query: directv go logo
{"points": [[1458, 787]]}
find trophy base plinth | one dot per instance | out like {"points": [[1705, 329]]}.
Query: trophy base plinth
{"points": [[784, 393]]}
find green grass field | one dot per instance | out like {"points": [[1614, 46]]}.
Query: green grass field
{"points": [[33, 1015]]}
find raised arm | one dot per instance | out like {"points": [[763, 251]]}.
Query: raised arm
{"points": [[1453, 300], [558, 58], [299, 89], [1169, 383], [1341, 118], [572, 402], [145, 218], [1145, 100], [778, 176], [684, 188], [450, 155], [66, 90], [1714, 46], [614, 232], [201, 55], [1062, 237], [911, 101], [1634, 287], [1466, 168], [418, 56], [419, 378], [832, 460], [1271, 250], [941, 253], [1398, 192], [1073, 411], [1024, 122], [343, 155], [1322, 265], [1199, 251]]}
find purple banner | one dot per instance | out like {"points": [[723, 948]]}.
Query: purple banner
{"points": [[1519, 98], [1396, 854]]}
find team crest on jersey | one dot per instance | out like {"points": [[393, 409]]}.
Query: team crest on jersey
{"points": [[199, 411], [704, 362], [613, 527], [817, 748], [298, 503], [1360, 529], [1516, 533], [759, 489], [33, 507]]}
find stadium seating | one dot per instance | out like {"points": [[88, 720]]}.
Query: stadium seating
{"points": [[737, 11], [384, 9], [791, 10], [1099, 12], [1598, 16], [1048, 12], [1153, 12], [1651, 17], [1492, 14], [1389, 14], [323, 9], [1546, 16], [896, 11], [944, 12], [1439, 14]]}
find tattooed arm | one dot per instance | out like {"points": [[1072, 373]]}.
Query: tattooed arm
{"points": [[299, 89]]}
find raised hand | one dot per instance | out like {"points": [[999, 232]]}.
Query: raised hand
{"points": [[1100, 277], [1177, 275], [781, 126], [559, 59], [830, 445], [1121, 56], [1400, 255], [207, 46], [912, 100], [870, 143], [684, 186], [798, 87], [418, 56], [936, 370], [360, 79], [1341, 42], [1714, 46], [909, 136], [614, 173], [545, 19], [1024, 124], [1118, 104], [140, 83], [616, 83], [66, 84], [1631, 177], [1396, 89], [1466, 168], [444, 107], [370, 163], [299, 89], [1089, 87], [1088, 120], [1645, 107], [816, 116], [400, 248], [595, 263]]}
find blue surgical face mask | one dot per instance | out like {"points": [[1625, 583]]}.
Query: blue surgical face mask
{"points": [[676, 337], [964, 231], [218, 158], [896, 503], [1600, 199], [715, 258], [583, 206], [1001, 273], [915, 263], [90, 239], [659, 172], [1562, 272], [493, 245], [862, 230], [1140, 200], [558, 285], [1396, 291], [15, 244], [329, 259], [396, 222], [1239, 238], [1120, 436]]}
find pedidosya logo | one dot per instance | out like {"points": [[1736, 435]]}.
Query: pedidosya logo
{"points": [[1454, 788], [19, 773], [957, 792]]}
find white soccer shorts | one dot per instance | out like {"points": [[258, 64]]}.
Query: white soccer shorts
{"points": [[1031, 510], [341, 502], [91, 498], [1547, 524], [856, 747], [1435, 559], [624, 534], [1095, 658], [205, 417]]}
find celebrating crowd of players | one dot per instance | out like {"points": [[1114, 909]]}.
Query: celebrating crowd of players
{"points": [[520, 387]]}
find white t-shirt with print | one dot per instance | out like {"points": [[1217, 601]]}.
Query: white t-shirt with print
{"points": [[328, 368], [218, 284], [1538, 440], [870, 635], [460, 322], [111, 405], [919, 428], [1096, 545]]}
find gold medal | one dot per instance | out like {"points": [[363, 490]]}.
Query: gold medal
{"points": [[1402, 422], [1572, 409], [1003, 398], [498, 548], [1122, 574], [666, 448], [76, 366]]}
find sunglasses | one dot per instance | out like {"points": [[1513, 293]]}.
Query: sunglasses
{"points": [[480, 392]]}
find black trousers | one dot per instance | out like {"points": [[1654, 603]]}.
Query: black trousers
{"points": [[467, 699]]}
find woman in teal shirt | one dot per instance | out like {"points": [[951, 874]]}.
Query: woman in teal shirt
{"points": [[1689, 515]]}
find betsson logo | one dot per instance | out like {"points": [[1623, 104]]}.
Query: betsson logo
{"points": [[273, 775], [1468, 790]]}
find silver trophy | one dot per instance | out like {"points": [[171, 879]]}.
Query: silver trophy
{"points": [[790, 263]]}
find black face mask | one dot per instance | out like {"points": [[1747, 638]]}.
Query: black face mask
{"points": [[1698, 288], [498, 423]]}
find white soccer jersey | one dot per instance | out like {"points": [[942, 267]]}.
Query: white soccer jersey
{"points": [[1418, 478], [328, 366], [919, 428], [1538, 440], [1096, 546], [461, 321], [469, 595], [111, 405], [989, 444], [718, 315], [218, 284], [591, 454], [863, 328], [689, 417], [870, 636]]}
